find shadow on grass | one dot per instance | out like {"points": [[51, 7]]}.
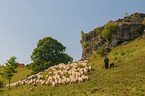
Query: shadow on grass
{"points": [[1, 92]]}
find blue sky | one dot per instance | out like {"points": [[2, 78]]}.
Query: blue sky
{"points": [[24, 22]]}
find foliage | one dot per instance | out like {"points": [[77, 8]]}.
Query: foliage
{"points": [[64, 58], [84, 44], [82, 33], [101, 51], [48, 52], [10, 68], [126, 13], [1, 83], [143, 22], [39, 66], [109, 28]]}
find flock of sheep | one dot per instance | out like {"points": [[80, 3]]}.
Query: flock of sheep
{"points": [[60, 74]]}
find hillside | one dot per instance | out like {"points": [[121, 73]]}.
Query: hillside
{"points": [[113, 34], [127, 78]]}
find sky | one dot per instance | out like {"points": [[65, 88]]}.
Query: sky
{"points": [[24, 22]]}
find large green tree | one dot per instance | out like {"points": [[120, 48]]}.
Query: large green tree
{"points": [[10, 68], [48, 52]]}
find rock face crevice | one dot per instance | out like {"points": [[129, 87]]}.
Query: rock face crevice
{"points": [[128, 28]]}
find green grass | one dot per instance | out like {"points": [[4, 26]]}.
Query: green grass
{"points": [[127, 78], [21, 74]]}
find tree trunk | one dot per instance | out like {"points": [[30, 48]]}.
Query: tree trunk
{"points": [[9, 83]]}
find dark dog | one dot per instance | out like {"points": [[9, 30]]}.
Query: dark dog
{"points": [[112, 65]]}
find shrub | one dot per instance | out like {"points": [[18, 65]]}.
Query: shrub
{"points": [[115, 58], [122, 52], [101, 51], [143, 22], [115, 53], [109, 28], [82, 33], [1, 84], [84, 45]]}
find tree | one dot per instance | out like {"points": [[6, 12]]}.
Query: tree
{"points": [[64, 58], [10, 68], [126, 13], [82, 33], [49, 52]]}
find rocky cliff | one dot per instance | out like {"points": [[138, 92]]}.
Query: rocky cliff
{"points": [[112, 34]]}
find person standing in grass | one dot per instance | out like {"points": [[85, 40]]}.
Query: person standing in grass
{"points": [[106, 62]]}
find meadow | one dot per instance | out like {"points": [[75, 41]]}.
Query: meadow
{"points": [[127, 78]]}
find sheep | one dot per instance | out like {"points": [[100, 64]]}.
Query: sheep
{"points": [[50, 73], [76, 75], [63, 81], [47, 82], [53, 84], [84, 77], [85, 70], [31, 89], [34, 84], [23, 83], [7, 85], [30, 82], [59, 81], [40, 76], [42, 83], [37, 81], [86, 61], [34, 80], [56, 81], [67, 80], [46, 76], [80, 79], [81, 72], [90, 68], [50, 78]]}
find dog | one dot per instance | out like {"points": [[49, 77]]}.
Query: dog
{"points": [[112, 65]]}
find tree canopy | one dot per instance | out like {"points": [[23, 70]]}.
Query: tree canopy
{"points": [[48, 52], [9, 70]]}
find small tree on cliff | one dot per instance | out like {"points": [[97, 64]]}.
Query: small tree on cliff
{"points": [[82, 33], [10, 68], [49, 52]]}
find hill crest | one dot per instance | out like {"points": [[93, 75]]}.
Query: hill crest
{"points": [[113, 34]]}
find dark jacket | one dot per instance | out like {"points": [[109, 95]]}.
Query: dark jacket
{"points": [[106, 60]]}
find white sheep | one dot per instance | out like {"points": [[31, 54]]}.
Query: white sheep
{"points": [[40, 76], [50, 73], [46, 76], [90, 68], [53, 84], [47, 82], [42, 83], [34, 84]]}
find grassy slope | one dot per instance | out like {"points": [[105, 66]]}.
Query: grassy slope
{"points": [[127, 78]]}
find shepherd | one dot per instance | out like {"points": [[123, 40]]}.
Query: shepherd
{"points": [[106, 62]]}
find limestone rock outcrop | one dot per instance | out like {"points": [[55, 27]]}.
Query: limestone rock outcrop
{"points": [[128, 28]]}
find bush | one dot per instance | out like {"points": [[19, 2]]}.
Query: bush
{"points": [[101, 51], [122, 52], [82, 33], [1, 84], [143, 22], [109, 28], [115, 58], [84, 45]]}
